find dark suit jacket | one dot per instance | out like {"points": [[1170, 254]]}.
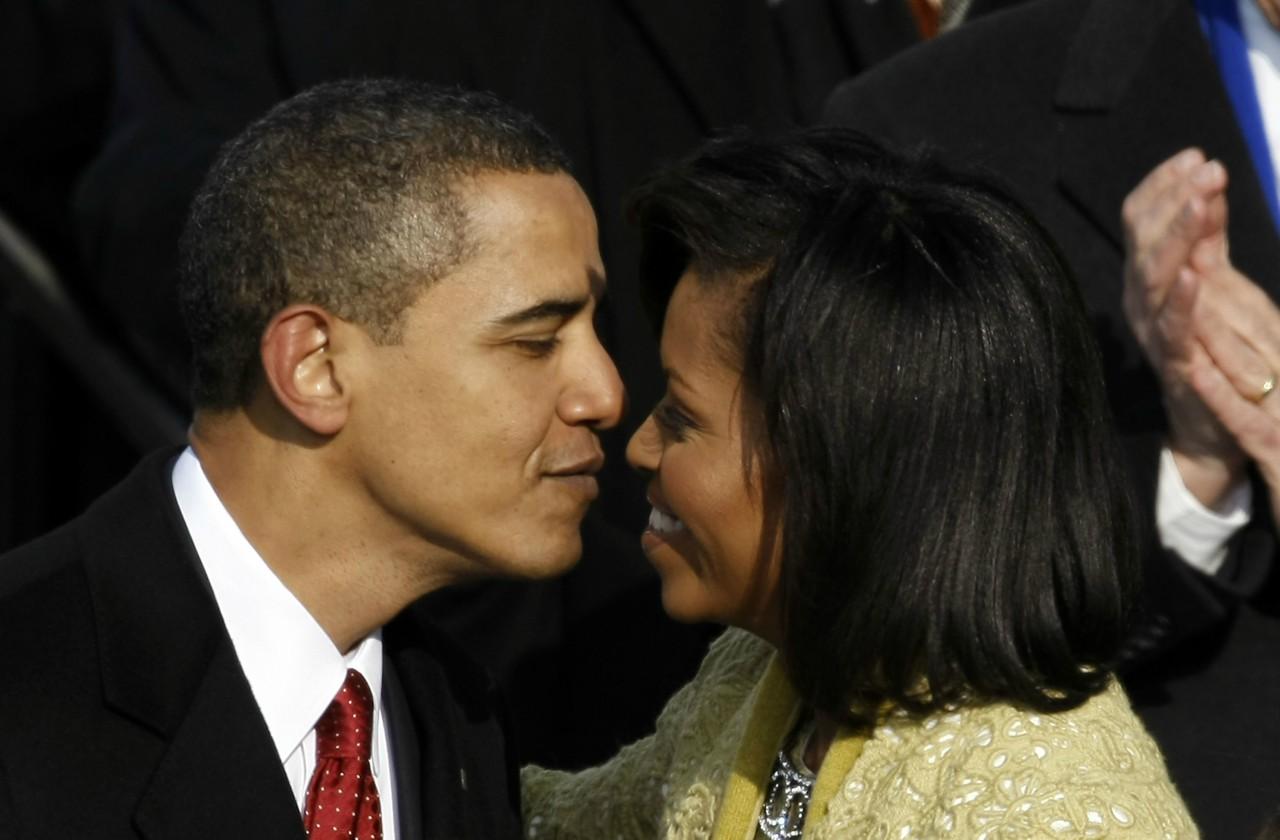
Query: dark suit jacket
{"points": [[124, 712], [1070, 103]]}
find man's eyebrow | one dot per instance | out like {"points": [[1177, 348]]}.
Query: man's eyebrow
{"points": [[556, 308]]}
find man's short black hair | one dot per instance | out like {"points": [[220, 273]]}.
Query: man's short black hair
{"points": [[955, 521], [344, 196]]}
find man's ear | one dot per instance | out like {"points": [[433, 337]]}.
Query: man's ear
{"points": [[302, 370]]}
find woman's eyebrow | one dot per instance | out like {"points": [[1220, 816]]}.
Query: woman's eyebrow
{"points": [[673, 375]]}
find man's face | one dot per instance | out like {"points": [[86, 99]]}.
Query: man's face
{"points": [[476, 433]]}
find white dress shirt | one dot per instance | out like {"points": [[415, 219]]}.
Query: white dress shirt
{"points": [[293, 668], [1194, 532]]}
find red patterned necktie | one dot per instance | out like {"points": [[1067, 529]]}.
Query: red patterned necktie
{"points": [[342, 800]]}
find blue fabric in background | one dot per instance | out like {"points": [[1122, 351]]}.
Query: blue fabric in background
{"points": [[1221, 22]]}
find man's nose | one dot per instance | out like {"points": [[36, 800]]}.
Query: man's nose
{"points": [[597, 397]]}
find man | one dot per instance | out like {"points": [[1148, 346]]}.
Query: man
{"points": [[1073, 103], [389, 290]]}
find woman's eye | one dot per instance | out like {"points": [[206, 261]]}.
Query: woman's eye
{"points": [[672, 422]]}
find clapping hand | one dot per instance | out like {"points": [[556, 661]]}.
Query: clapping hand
{"points": [[1211, 334]]}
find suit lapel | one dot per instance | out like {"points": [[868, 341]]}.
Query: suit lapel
{"points": [[440, 798], [466, 776], [1140, 84], [406, 753], [220, 776], [168, 665]]}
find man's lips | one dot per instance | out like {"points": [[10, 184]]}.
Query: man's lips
{"points": [[586, 465], [578, 473]]}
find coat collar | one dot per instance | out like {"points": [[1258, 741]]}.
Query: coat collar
{"points": [[167, 664], [220, 772], [158, 626], [1108, 50]]}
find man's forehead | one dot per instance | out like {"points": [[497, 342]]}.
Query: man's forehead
{"points": [[527, 217], [506, 200], [513, 298], [532, 250]]}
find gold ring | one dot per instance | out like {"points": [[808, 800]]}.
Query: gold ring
{"points": [[1267, 387]]}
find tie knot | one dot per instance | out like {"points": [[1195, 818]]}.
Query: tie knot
{"points": [[345, 729]]}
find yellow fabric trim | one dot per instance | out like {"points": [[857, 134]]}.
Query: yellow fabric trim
{"points": [[843, 752], [772, 717]]}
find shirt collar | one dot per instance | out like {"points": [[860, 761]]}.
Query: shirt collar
{"points": [[293, 668]]}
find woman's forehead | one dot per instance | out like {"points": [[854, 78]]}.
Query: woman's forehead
{"points": [[695, 346]]}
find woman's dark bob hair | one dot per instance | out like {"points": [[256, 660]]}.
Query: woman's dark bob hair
{"points": [[955, 524]]}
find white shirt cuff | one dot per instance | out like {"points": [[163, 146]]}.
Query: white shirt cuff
{"points": [[1194, 532]]}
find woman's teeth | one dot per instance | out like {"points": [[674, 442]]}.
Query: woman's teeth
{"points": [[663, 523]]}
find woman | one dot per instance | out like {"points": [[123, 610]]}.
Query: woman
{"points": [[884, 460]]}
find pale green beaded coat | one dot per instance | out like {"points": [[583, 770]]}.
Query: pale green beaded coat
{"points": [[988, 772]]}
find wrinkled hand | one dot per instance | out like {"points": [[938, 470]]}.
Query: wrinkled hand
{"points": [[1255, 425], [1240, 385], [1192, 312]]}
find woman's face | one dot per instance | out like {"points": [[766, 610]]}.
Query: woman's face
{"points": [[706, 535]]}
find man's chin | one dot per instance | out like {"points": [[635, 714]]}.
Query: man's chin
{"points": [[556, 560]]}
